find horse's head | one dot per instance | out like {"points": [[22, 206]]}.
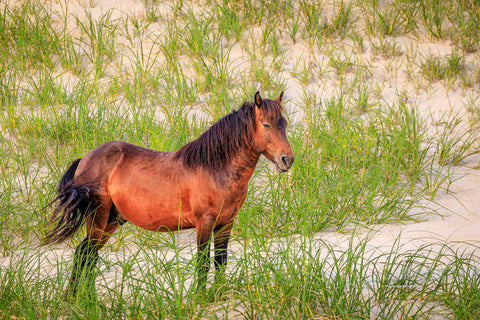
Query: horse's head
{"points": [[270, 137]]}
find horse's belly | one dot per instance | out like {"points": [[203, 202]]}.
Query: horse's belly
{"points": [[161, 207], [154, 216]]}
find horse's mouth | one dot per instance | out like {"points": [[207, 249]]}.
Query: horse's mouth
{"points": [[282, 170]]}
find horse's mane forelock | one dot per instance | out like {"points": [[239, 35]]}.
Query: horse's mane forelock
{"points": [[217, 146]]}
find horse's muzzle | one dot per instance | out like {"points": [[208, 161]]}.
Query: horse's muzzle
{"points": [[284, 162]]}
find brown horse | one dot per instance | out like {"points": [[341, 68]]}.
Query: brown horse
{"points": [[202, 186]]}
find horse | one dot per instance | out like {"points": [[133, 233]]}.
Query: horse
{"points": [[202, 185]]}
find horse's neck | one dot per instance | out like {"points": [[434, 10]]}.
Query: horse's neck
{"points": [[243, 165]]}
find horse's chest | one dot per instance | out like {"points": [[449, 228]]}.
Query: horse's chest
{"points": [[231, 204]]}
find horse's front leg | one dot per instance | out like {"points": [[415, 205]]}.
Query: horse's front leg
{"points": [[204, 230], [222, 234]]}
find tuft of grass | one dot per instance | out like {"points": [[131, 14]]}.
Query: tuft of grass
{"points": [[436, 68], [465, 20], [453, 147], [341, 20], [27, 36], [386, 48], [433, 15], [230, 22], [98, 39]]}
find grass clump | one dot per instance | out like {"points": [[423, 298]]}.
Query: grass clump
{"points": [[98, 41], [27, 36], [436, 68]]}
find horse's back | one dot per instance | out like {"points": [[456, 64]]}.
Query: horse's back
{"points": [[105, 157]]}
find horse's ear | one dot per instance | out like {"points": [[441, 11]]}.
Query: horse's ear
{"points": [[280, 97], [258, 99]]}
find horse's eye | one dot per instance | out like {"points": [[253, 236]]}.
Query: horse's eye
{"points": [[266, 125]]}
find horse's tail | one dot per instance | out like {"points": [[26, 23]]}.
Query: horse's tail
{"points": [[76, 202], [68, 176]]}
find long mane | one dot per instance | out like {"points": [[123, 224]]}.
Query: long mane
{"points": [[216, 147]]}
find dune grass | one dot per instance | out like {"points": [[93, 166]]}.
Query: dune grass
{"points": [[71, 80], [289, 281]]}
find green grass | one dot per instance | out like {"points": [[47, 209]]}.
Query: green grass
{"points": [[299, 278], [71, 80], [445, 68]]}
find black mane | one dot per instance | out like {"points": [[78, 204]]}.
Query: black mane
{"points": [[216, 147]]}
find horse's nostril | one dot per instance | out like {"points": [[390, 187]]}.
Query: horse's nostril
{"points": [[285, 160]]}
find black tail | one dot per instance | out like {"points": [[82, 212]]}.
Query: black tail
{"points": [[68, 176], [76, 202]]}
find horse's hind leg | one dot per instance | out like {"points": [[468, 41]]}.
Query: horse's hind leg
{"points": [[86, 253], [84, 261]]}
